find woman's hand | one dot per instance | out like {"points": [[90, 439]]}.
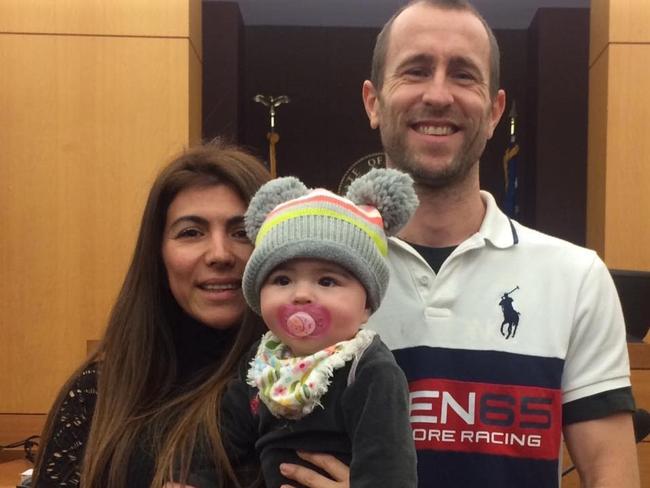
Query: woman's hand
{"points": [[339, 473]]}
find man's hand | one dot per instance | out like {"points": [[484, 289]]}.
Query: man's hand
{"points": [[339, 473]]}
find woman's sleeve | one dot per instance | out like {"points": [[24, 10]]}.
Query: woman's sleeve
{"points": [[64, 449]]}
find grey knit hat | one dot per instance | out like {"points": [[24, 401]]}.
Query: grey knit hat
{"points": [[286, 221]]}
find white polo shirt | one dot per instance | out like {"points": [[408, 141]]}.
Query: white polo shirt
{"points": [[493, 399]]}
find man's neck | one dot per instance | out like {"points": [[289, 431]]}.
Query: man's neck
{"points": [[446, 216]]}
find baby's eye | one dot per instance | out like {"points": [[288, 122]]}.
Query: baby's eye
{"points": [[327, 281], [280, 280]]}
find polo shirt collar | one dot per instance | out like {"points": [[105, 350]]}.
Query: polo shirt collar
{"points": [[497, 228]]}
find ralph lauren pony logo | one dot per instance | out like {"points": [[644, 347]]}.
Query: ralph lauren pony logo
{"points": [[510, 315]]}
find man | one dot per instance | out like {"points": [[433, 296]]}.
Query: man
{"points": [[508, 337]]}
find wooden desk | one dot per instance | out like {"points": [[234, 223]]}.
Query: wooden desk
{"points": [[12, 463]]}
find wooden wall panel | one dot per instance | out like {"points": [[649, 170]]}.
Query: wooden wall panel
{"points": [[597, 155], [619, 21], [87, 121], [598, 28], [639, 355], [89, 128], [195, 26], [619, 114], [629, 21], [627, 241], [156, 18]]}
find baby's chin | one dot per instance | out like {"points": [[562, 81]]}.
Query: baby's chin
{"points": [[303, 346], [306, 346]]}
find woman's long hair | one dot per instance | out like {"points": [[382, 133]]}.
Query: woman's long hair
{"points": [[137, 356]]}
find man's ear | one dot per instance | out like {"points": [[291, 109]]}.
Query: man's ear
{"points": [[496, 110], [371, 102]]}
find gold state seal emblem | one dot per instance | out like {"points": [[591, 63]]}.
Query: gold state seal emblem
{"points": [[360, 167]]}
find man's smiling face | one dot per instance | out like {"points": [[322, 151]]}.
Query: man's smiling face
{"points": [[434, 109]]}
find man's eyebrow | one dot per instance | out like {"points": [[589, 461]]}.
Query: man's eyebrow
{"points": [[419, 58], [427, 59]]}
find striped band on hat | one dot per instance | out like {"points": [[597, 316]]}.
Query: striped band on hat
{"points": [[323, 203]]}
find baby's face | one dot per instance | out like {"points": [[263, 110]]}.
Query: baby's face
{"points": [[310, 304]]}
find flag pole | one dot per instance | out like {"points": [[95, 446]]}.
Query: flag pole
{"points": [[510, 176], [272, 103]]}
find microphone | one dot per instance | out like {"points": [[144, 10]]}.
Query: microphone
{"points": [[641, 423]]}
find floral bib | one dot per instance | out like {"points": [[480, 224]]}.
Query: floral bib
{"points": [[291, 387]]}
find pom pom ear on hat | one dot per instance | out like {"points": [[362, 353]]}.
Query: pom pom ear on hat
{"points": [[269, 196], [388, 190]]}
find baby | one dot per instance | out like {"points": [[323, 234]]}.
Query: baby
{"points": [[317, 381]]}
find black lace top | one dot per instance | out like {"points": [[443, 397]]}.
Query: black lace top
{"points": [[64, 450], [198, 347]]}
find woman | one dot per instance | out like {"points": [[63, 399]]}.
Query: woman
{"points": [[139, 407]]}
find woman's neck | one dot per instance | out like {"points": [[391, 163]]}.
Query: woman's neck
{"points": [[199, 346]]}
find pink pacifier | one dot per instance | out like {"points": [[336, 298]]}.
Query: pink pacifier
{"points": [[301, 324], [309, 320]]}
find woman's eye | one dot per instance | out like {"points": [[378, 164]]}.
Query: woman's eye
{"points": [[188, 233], [327, 281], [240, 235]]}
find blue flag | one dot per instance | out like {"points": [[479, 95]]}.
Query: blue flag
{"points": [[510, 158]]}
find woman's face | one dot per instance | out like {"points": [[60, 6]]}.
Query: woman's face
{"points": [[205, 250]]}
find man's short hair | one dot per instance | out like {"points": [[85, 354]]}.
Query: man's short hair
{"points": [[383, 38]]}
